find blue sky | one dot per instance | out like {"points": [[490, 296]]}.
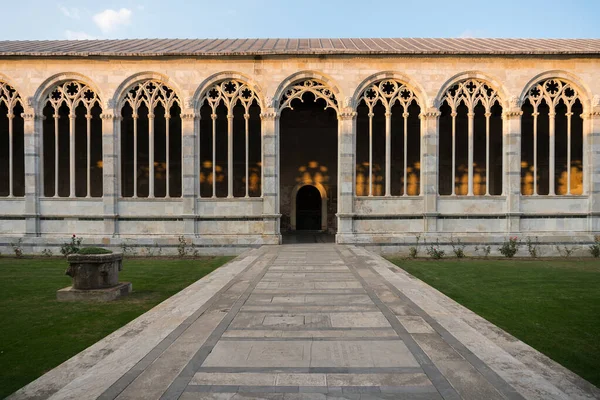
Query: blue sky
{"points": [[70, 19]]}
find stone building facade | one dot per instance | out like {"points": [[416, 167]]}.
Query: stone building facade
{"points": [[230, 143]]}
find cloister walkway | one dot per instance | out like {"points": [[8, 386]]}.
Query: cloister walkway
{"points": [[309, 321]]}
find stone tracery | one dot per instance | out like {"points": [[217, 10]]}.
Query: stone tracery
{"points": [[318, 89], [387, 94], [476, 100], [548, 108], [79, 104], [231, 96], [151, 110], [12, 177]]}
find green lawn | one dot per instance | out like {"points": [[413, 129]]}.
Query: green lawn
{"points": [[38, 333], [552, 305]]}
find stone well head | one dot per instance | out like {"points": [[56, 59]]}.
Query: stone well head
{"points": [[94, 271]]}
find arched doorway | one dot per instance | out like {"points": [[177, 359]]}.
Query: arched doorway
{"points": [[308, 131], [308, 209]]}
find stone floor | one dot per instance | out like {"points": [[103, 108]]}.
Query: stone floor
{"points": [[309, 321]]}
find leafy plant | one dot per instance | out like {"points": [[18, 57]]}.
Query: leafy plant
{"points": [[485, 250], [457, 247], [17, 248], [510, 247], [435, 252], [532, 247], [94, 250], [413, 251], [71, 247], [182, 247], [566, 252], [47, 253], [595, 248]]}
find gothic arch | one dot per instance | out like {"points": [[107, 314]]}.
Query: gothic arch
{"points": [[12, 137], [41, 94], [390, 97], [551, 104], [333, 98], [4, 79], [391, 75], [323, 193], [71, 135], [128, 83], [150, 106], [470, 134], [216, 102], [200, 92], [487, 79], [583, 90]]}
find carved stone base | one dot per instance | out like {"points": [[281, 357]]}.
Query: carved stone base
{"points": [[107, 294]]}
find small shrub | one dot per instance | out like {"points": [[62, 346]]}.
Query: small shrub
{"points": [[485, 250], [47, 253], [94, 250], [413, 251], [435, 252], [566, 252], [509, 248], [71, 247], [595, 248], [17, 248], [182, 247], [532, 247], [458, 248]]}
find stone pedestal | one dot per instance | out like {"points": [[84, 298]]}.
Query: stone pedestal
{"points": [[95, 277]]}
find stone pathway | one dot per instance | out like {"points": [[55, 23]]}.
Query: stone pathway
{"points": [[309, 321]]}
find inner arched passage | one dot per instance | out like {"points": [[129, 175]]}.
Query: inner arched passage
{"points": [[308, 208], [308, 146]]}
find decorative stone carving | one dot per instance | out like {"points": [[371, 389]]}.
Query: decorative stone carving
{"points": [[552, 91], [95, 277], [471, 92], [347, 115], [348, 102], [388, 92], [269, 101], [9, 97], [72, 93], [596, 101], [188, 115], [429, 114], [230, 93], [151, 93], [315, 87]]}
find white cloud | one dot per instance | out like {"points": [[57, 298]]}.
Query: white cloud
{"points": [[109, 20], [70, 35], [470, 34], [69, 12]]}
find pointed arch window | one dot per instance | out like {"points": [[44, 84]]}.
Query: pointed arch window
{"points": [[552, 140], [388, 144], [230, 141], [151, 141], [72, 141], [470, 140], [12, 154]]}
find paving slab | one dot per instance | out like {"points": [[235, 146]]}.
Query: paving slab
{"points": [[309, 321]]}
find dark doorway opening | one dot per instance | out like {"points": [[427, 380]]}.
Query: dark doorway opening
{"points": [[308, 208], [309, 157]]}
